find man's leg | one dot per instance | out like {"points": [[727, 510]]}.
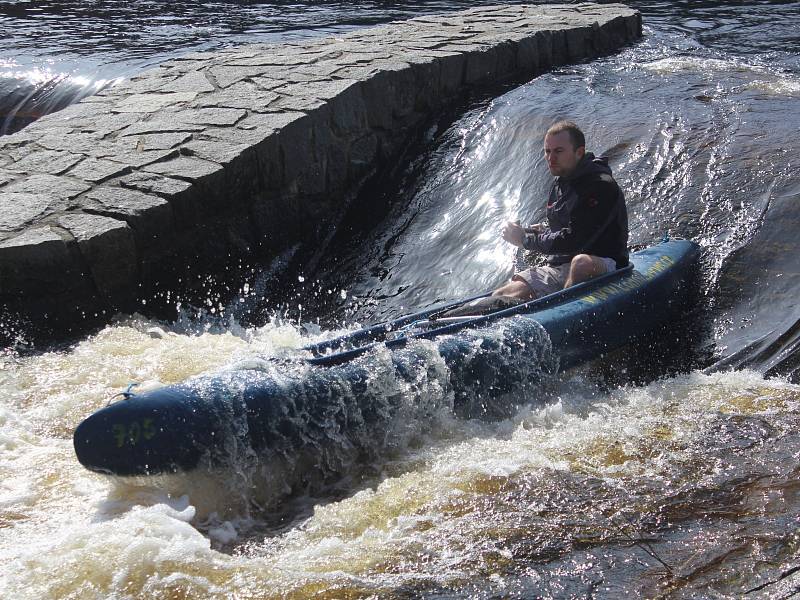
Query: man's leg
{"points": [[516, 288], [585, 267]]}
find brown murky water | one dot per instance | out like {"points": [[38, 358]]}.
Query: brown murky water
{"points": [[682, 487]]}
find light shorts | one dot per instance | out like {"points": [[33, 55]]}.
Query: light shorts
{"points": [[547, 279]]}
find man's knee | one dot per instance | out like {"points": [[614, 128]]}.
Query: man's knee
{"points": [[582, 266]]}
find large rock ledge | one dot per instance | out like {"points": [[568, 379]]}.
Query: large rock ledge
{"points": [[220, 157]]}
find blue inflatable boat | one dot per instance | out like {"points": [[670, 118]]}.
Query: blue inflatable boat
{"points": [[346, 390]]}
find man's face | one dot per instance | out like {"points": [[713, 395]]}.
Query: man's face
{"points": [[561, 156]]}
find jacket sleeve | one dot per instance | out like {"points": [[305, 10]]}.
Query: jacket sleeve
{"points": [[593, 210]]}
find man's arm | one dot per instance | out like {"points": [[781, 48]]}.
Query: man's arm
{"points": [[593, 210], [515, 234]]}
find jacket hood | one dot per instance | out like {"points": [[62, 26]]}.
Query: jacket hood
{"points": [[589, 165]]}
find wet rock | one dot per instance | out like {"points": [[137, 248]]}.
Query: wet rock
{"points": [[193, 81], [37, 263], [261, 147], [108, 247], [185, 167], [210, 116], [157, 184], [149, 216], [226, 75], [75, 142], [20, 208], [150, 103], [214, 150], [56, 191], [54, 162], [6, 177], [244, 96], [133, 156], [97, 170], [157, 141], [160, 126]]}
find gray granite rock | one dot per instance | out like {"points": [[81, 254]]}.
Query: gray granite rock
{"points": [[193, 81], [226, 75], [17, 209], [244, 96], [155, 141], [132, 156], [209, 156], [53, 162], [348, 110], [107, 245], [165, 187], [215, 150], [271, 122], [210, 116], [236, 136], [302, 103], [96, 170], [37, 267], [148, 215], [74, 142], [57, 191], [160, 126], [185, 167], [150, 103]]}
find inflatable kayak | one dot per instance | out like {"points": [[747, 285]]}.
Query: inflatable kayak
{"points": [[348, 388]]}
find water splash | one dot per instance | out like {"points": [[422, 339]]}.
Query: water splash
{"points": [[27, 96], [286, 428]]}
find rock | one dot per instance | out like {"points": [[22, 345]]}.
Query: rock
{"points": [[244, 96], [97, 170], [123, 151], [6, 177], [36, 263], [210, 116], [185, 167], [156, 184], [108, 247], [193, 81], [226, 75], [155, 141], [218, 157], [149, 216], [54, 162], [55, 191], [160, 126], [76, 142], [157, 333], [20, 208], [150, 103], [214, 150]]}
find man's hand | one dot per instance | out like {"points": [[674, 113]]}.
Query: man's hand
{"points": [[538, 228], [513, 233]]}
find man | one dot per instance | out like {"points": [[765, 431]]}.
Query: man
{"points": [[587, 223]]}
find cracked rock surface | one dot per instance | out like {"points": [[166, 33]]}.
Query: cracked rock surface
{"points": [[242, 153]]}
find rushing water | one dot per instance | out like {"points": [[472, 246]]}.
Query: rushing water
{"points": [[686, 486]]}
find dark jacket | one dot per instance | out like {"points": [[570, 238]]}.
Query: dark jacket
{"points": [[586, 214]]}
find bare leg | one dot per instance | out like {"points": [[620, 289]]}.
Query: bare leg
{"points": [[516, 288], [583, 268]]}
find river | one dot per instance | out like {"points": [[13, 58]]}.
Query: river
{"points": [[674, 481]]}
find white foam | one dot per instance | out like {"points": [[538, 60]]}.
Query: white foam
{"points": [[88, 538]]}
